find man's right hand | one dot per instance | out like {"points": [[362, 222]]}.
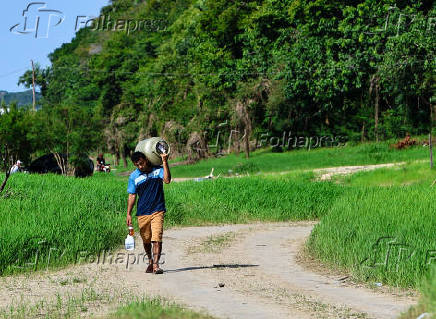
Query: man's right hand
{"points": [[129, 220]]}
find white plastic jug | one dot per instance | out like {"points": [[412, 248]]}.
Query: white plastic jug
{"points": [[152, 148], [129, 242]]}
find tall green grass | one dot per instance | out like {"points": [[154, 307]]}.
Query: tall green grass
{"points": [[50, 214], [380, 234], [63, 217], [247, 199]]}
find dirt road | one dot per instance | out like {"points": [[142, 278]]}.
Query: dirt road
{"points": [[257, 264]]}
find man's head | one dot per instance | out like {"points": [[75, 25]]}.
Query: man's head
{"points": [[140, 161], [19, 163]]}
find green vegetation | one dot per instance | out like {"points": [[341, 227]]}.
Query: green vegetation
{"points": [[43, 212], [400, 175], [265, 161], [427, 302], [156, 309], [358, 213], [247, 199], [360, 69], [58, 216], [385, 234], [428, 289]]}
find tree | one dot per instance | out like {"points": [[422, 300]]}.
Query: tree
{"points": [[41, 78], [65, 129], [14, 125]]}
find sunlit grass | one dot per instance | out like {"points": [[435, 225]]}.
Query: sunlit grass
{"points": [[265, 161], [399, 175]]}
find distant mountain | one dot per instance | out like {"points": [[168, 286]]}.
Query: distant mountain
{"points": [[22, 98]]}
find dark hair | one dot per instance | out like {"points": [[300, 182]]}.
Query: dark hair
{"points": [[137, 156]]}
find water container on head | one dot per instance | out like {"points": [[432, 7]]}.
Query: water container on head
{"points": [[152, 148]]}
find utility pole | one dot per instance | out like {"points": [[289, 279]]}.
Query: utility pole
{"points": [[33, 85]]}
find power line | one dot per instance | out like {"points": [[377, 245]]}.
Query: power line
{"points": [[13, 72]]}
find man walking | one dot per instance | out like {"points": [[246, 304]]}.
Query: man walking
{"points": [[147, 182]]}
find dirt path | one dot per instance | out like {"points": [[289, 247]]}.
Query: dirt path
{"points": [[327, 173], [257, 263]]}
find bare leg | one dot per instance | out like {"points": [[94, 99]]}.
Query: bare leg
{"points": [[147, 248], [157, 249]]}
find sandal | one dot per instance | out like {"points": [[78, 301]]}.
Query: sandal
{"points": [[157, 270]]}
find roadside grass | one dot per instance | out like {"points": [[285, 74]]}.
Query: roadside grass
{"points": [[427, 302], [264, 160], [60, 306], [48, 219], [156, 308], [89, 301], [379, 234]]}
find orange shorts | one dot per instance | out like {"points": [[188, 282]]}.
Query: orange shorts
{"points": [[151, 227]]}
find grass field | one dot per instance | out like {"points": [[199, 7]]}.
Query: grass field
{"points": [[378, 226], [413, 173], [60, 216], [262, 160], [265, 161], [385, 234]]}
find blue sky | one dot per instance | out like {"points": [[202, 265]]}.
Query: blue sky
{"points": [[57, 21]]}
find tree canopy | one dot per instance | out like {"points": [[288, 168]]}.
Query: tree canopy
{"points": [[364, 69]]}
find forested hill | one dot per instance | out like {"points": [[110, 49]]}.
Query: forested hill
{"points": [[364, 69], [21, 98]]}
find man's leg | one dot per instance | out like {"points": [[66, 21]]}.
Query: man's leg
{"points": [[156, 238], [147, 248], [144, 223], [157, 249]]}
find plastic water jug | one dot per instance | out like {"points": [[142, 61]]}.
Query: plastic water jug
{"points": [[152, 148], [129, 242]]}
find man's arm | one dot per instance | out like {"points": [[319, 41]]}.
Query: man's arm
{"points": [[167, 173], [130, 204]]}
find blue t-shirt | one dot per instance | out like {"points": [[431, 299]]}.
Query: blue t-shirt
{"points": [[149, 188]]}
